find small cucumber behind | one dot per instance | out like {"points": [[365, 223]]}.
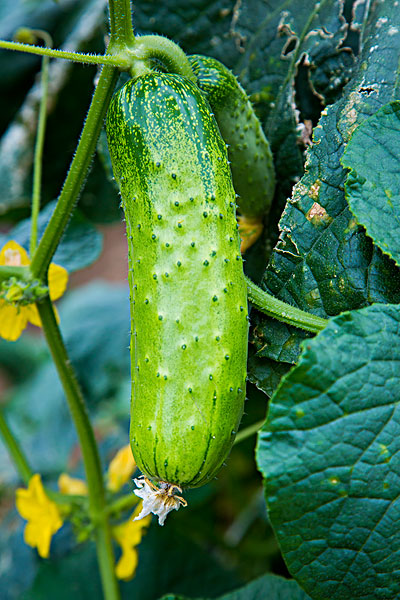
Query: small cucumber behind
{"points": [[188, 292], [248, 148]]}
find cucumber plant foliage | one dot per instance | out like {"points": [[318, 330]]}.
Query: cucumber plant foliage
{"points": [[185, 154]]}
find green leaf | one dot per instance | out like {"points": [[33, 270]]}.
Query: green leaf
{"points": [[269, 587], [323, 262], [373, 184], [80, 245], [67, 578], [276, 341], [331, 72], [38, 416], [265, 373], [315, 30], [330, 454]]}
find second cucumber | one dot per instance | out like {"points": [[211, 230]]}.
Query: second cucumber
{"points": [[248, 148]]}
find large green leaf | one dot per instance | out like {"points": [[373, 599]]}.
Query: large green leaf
{"points": [[80, 245], [330, 454], [323, 261], [373, 184], [268, 587]]}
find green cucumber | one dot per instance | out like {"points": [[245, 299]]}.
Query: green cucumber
{"points": [[248, 148], [188, 292]]}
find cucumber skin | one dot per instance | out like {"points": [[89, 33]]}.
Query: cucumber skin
{"points": [[188, 293], [248, 149]]}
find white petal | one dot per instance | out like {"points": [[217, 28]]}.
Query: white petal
{"points": [[156, 500]]}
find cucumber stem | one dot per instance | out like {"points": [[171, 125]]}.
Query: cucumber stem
{"points": [[87, 441], [94, 59], [167, 52], [282, 311], [121, 29], [15, 451], [37, 161]]}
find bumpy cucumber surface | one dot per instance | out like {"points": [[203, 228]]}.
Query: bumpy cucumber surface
{"points": [[249, 151], [188, 292]]}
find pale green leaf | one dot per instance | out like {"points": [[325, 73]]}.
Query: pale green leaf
{"points": [[373, 184]]}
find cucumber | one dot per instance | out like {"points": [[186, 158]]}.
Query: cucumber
{"points": [[187, 288], [248, 148]]}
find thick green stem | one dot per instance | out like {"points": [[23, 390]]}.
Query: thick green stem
{"points": [[282, 311], [167, 52], [15, 451], [121, 24], [76, 174], [37, 163], [90, 455]]}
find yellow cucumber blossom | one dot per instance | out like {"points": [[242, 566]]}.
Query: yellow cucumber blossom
{"points": [[121, 469], [15, 316], [129, 535], [42, 514], [72, 485], [250, 229]]}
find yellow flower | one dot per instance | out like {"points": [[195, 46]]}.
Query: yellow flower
{"points": [[129, 535], [121, 468], [72, 485], [250, 229], [14, 318], [41, 513]]}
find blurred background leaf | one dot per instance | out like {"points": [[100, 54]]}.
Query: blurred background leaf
{"points": [[80, 246]]}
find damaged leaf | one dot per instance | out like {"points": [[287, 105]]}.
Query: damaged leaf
{"points": [[328, 265], [373, 184]]}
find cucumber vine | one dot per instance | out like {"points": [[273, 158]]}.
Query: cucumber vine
{"points": [[135, 55]]}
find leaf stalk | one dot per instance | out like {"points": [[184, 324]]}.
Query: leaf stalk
{"points": [[282, 311]]}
